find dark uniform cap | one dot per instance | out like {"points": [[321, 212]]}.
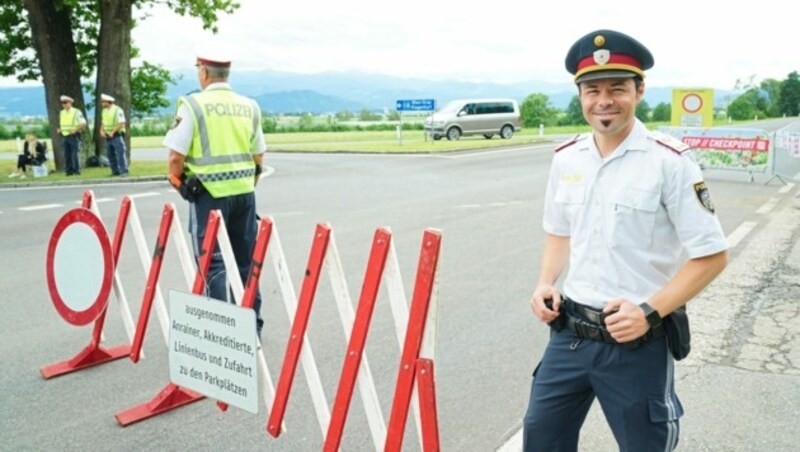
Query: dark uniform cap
{"points": [[607, 54]]}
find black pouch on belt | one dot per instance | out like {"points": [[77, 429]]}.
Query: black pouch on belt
{"points": [[676, 327]]}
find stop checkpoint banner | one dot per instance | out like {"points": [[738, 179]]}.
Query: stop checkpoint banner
{"points": [[726, 148]]}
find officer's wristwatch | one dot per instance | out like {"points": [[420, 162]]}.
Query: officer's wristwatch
{"points": [[651, 315]]}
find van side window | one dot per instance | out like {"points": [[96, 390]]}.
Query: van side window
{"points": [[495, 107]]}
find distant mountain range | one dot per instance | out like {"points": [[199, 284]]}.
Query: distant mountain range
{"points": [[328, 92]]}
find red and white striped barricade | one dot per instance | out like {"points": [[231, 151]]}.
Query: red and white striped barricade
{"points": [[415, 330], [173, 396]]}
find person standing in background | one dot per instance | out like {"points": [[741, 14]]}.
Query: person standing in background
{"points": [[113, 129], [216, 150], [71, 123]]}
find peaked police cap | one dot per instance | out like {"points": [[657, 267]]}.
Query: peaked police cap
{"points": [[607, 54]]}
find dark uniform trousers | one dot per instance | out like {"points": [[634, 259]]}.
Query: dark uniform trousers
{"points": [[115, 148], [72, 147], [239, 214], [634, 387]]}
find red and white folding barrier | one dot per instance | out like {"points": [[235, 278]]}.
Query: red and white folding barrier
{"points": [[415, 330], [415, 325]]}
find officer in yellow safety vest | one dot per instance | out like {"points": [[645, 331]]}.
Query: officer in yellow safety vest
{"points": [[113, 129], [71, 122], [216, 149]]}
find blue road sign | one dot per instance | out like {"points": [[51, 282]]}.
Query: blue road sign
{"points": [[416, 105]]}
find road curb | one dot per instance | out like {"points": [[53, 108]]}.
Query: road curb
{"points": [[117, 180]]}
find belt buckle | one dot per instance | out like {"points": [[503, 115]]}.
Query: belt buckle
{"points": [[592, 316]]}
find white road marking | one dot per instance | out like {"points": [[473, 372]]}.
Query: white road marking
{"points": [[786, 188], [97, 200], [41, 207], [514, 444], [740, 233], [146, 194], [768, 206], [499, 151], [469, 206]]}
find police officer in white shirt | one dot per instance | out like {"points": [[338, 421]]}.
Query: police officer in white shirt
{"points": [[627, 209]]}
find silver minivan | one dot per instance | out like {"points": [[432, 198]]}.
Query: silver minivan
{"points": [[485, 117]]}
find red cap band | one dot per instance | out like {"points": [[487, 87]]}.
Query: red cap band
{"points": [[205, 62]]}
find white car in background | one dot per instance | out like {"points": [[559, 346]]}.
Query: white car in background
{"points": [[485, 117]]}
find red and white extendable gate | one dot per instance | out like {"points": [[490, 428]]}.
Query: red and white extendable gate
{"points": [[415, 326], [94, 353], [173, 396], [415, 330]]}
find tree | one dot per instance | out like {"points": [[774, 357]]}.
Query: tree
{"points": [[643, 111], [789, 99], [741, 108], [771, 90], [574, 114], [344, 115], [366, 115], [662, 112], [749, 104], [536, 109], [149, 82], [72, 38]]}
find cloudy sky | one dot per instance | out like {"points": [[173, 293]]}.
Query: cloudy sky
{"points": [[695, 43]]}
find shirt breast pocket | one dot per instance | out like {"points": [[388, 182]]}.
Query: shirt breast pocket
{"points": [[570, 199], [634, 217]]}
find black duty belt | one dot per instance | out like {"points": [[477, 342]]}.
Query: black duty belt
{"points": [[589, 323]]}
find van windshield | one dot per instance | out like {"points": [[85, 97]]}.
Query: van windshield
{"points": [[452, 107]]}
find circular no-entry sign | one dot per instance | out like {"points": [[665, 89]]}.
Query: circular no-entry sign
{"points": [[79, 266], [692, 103]]}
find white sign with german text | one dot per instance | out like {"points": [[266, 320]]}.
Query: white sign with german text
{"points": [[212, 349]]}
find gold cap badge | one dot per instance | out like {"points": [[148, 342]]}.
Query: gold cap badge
{"points": [[599, 40]]}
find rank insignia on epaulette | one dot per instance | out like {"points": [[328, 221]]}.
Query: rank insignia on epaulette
{"points": [[704, 196], [567, 143], [673, 144]]}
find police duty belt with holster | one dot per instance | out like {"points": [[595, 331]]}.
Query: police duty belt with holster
{"points": [[189, 187], [591, 325]]}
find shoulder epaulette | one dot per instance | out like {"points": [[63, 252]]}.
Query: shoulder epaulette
{"points": [[568, 143], [673, 144]]}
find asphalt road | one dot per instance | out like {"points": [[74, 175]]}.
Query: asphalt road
{"points": [[488, 206]]}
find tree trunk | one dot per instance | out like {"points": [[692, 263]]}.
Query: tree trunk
{"points": [[114, 63], [51, 29]]}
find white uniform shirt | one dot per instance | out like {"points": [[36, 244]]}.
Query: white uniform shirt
{"points": [[179, 137], [632, 217]]}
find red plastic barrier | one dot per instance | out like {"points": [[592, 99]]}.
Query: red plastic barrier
{"points": [[172, 396], [358, 338], [423, 289], [254, 275], [427, 405], [295, 343]]}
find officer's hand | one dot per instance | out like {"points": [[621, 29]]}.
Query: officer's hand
{"points": [[627, 323], [546, 292]]}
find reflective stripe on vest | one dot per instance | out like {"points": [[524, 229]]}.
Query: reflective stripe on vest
{"points": [[225, 126], [110, 119], [68, 121]]}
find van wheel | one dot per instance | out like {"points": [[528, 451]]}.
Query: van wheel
{"points": [[437, 137], [507, 132], [488, 136], [453, 133]]}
